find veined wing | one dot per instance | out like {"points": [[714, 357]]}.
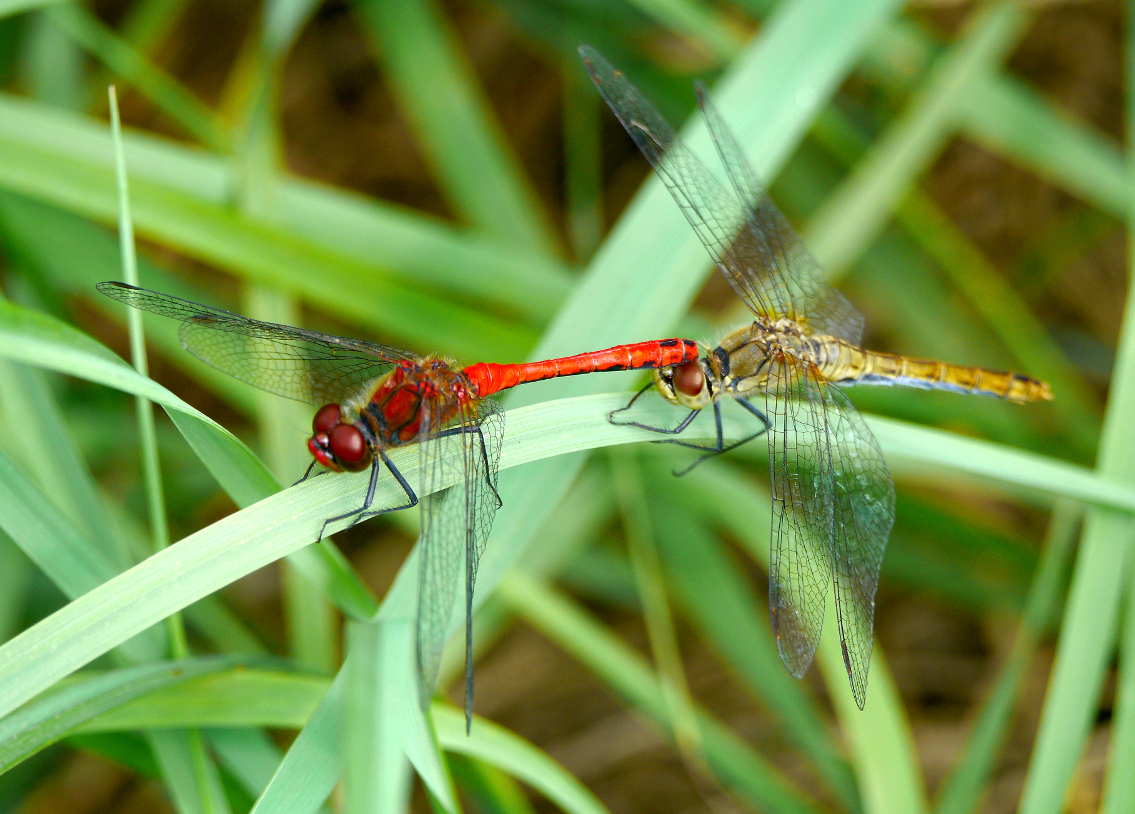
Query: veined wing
{"points": [[752, 243], [770, 254], [455, 527], [833, 508], [303, 365]]}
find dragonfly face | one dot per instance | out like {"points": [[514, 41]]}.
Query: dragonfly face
{"points": [[336, 444]]}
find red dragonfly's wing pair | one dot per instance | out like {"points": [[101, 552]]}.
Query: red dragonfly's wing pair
{"points": [[461, 453], [833, 498]]}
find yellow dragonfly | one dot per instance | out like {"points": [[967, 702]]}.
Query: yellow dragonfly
{"points": [[833, 497]]}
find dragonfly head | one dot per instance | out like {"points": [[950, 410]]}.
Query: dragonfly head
{"points": [[686, 384], [337, 445]]}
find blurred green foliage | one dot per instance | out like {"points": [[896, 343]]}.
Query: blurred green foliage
{"points": [[853, 112]]}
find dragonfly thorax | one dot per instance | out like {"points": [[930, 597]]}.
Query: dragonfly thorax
{"points": [[744, 359]]}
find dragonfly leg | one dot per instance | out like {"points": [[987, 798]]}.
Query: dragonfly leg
{"points": [[484, 453], [307, 474], [361, 513], [664, 430], [719, 447]]}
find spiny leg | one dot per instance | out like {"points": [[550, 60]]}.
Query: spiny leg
{"points": [[361, 513]]}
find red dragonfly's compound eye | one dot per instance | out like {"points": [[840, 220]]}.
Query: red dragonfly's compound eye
{"points": [[349, 447], [689, 379], [325, 419]]}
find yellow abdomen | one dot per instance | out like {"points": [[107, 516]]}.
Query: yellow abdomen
{"points": [[849, 364]]}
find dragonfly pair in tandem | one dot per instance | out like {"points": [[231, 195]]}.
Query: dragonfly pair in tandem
{"points": [[833, 497]]}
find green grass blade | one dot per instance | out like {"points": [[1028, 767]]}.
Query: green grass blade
{"points": [[852, 217], [488, 789], [1006, 115], [439, 94], [38, 425], [377, 772], [603, 652], [46, 720], [961, 791], [118, 55], [386, 238], [639, 526], [697, 22], [1119, 783], [249, 755], [10, 7], [500, 748], [882, 748], [189, 774], [1091, 619], [36, 339], [313, 763]]}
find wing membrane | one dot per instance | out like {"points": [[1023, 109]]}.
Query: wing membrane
{"points": [[752, 243], [292, 362], [833, 508], [770, 252], [455, 526]]}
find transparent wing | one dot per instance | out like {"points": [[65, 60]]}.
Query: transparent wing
{"points": [[753, 244], [291, 362], [833, 508], [800, 561], [455, 527], [770, 253]]}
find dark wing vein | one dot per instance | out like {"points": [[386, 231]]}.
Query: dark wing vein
{"points": [[292, 362]]}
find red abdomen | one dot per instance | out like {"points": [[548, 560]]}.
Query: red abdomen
{"points": [[487, 378]]}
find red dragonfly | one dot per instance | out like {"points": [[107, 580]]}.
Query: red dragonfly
{"points": [[373, 398], [833, 499]]}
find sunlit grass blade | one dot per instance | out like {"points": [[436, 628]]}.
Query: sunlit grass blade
{"points": [[287, 521]]}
